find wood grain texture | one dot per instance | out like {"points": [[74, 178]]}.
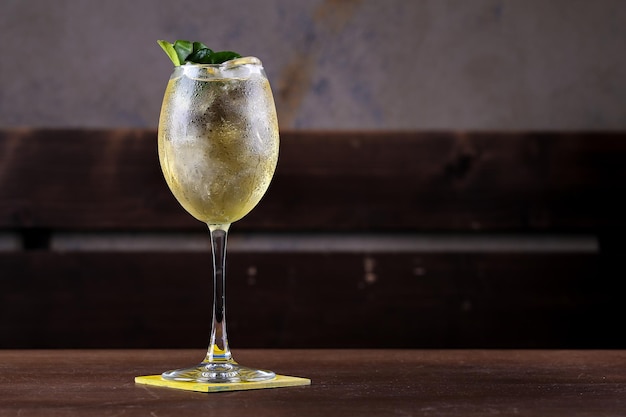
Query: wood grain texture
{"points": [[110, 179], [297, 300], [365, 383], [94, 182]]}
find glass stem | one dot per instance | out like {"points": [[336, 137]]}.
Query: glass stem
{"points": [[218, 347]]}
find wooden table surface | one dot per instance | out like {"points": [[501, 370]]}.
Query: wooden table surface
{"points": [[344, 383]]}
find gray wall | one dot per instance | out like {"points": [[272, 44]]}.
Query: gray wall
{"points": [[333, 64]]}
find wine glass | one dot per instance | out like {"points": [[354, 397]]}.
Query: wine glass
{"points": [[218, 149]]}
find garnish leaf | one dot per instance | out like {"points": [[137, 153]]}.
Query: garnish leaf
{"points": [[170, 51], [182, 52], [199, 45], [223, 56], [201, 56], [183, 49]]}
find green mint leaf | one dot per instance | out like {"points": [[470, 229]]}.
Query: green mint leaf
{"points": [[182, 52], [199, 45], [201, 56], [223, 56], [183, 49], [170, 51]]}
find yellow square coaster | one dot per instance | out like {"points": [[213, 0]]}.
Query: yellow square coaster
{"points": [[278, 382]]}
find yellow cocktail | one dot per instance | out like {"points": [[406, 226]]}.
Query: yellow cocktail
{"points": [[218, 149]]}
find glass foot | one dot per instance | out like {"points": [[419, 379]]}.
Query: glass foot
{"points": [[216, 372]]}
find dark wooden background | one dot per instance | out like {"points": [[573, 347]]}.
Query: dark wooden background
{"points": [[98, 184]]}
